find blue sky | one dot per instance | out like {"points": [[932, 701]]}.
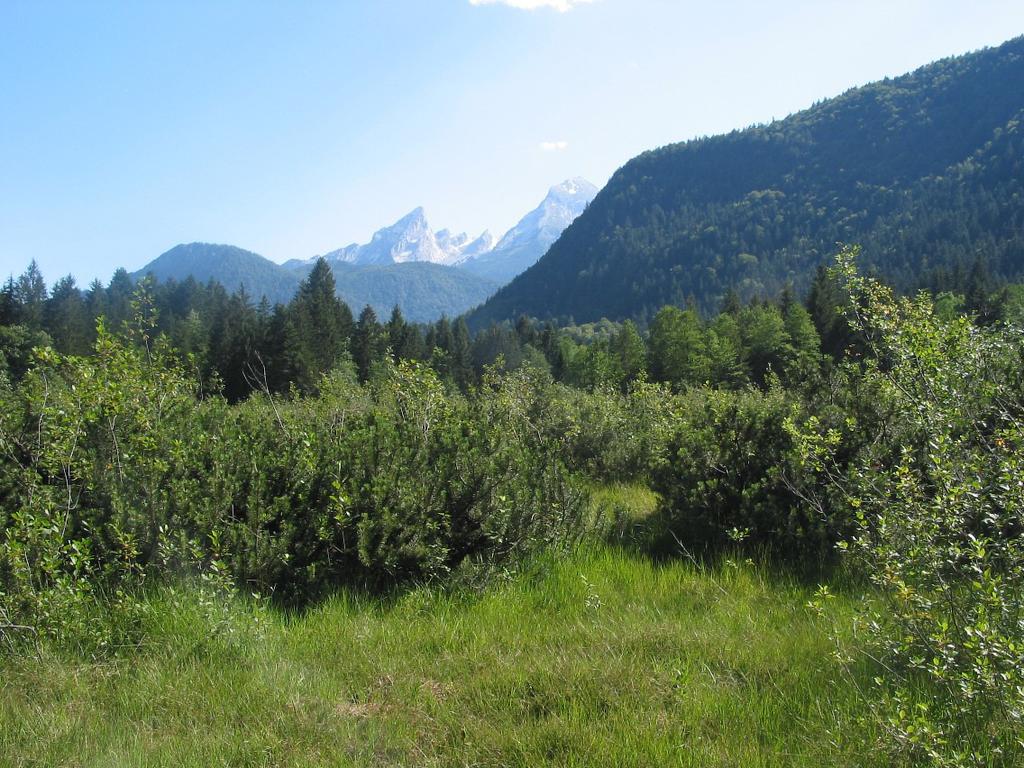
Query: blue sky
{"points": [[292, 128]]}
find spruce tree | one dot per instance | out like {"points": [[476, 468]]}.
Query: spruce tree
{"points": [[31, 294], [368, 342], [10, 309], [628, 347], [65, 318], [319, 327], [461, 356], [118, 302], [396, 329]]}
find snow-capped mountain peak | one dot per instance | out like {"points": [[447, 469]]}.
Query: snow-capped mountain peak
{"points": [[575, 188], [482, 244], [556, 212], [449, 242], [530, 239], [415, 219], [411, 238]]}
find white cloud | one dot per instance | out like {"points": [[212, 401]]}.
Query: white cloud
{"points": [[531, 5], [554, 146]]}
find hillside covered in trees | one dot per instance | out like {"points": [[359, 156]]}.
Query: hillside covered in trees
{"points": [[225, 264], [425, 292], [923, 171]]}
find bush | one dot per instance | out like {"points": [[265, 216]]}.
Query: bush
{"points": [[610, 435], [940, 529], [86, 447], [114, 471], [395, 481], [733, 474]]}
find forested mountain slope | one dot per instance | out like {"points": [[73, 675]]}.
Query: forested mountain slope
{"points": [[923, 170], [228, 265], [424, 291]]}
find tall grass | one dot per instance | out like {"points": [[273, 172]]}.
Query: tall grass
{"points": [[601, 658]]}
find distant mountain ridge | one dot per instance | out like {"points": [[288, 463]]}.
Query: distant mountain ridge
{"points": [[407, 264], [228, 265], [424, 291], [530, 239], [925, 171], [411, 239]]}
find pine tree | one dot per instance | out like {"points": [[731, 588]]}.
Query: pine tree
{"points": [[65, 318], [30, 291], [803, 339], [10, 309], [415, 346], [368, 342], [725, 352], [233, 346], [766, 343], [826, 303], [95, 307], [461, 366], [493, 343], [272, 368], [677, 350], [396, 329], [118, 302], [439, 346], [319, 327]]}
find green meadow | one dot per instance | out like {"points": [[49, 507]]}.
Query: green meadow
{"points": [[599, 657]]}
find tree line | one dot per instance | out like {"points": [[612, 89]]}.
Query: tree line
{"points": [[238, 346]]}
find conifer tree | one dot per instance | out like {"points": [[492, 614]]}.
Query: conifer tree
{"points": [[233, 348], [439, 346], [10, 309], [319, 327], [803, 338], [118, 302], [368, 342], [826, 304], [65, 318], [628, 347], [396, 330], [676, 348], [766, 343], [461, 356], [30, 291], [725, 351]]}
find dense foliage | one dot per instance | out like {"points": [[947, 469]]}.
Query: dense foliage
{"points": [[923, 170], [115, 469], [939, 527], [238, 347], [291, 451]]}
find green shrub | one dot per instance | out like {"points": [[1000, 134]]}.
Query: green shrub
{"points": [[114, 470], [940, 528], [732, 473], [397, 480], [610, 435], [86, 446]]}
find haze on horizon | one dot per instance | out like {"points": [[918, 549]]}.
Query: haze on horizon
{"points": [[292, 130]]}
